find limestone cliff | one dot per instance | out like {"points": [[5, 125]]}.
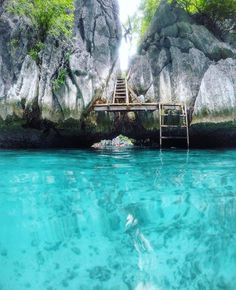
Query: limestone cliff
{"points": [[88, 62], [182, 61]]}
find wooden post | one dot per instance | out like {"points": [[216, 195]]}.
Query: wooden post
{"points": [[114, 94], [126, 91], [187, 125], [160, 124]]}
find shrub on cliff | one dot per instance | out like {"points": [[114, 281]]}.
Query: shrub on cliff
{"points": [[54, 17], [207, 12], [148, 8]]}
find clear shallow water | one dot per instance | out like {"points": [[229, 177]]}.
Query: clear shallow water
{"points": [[117, 220]]}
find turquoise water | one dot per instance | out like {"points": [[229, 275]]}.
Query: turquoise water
{"points": [[82, 220]]}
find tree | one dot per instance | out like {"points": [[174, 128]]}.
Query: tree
{"points": [[208, 12], [216, 10], [49, 17], [149, 8], [211, 13], [142, 20]]}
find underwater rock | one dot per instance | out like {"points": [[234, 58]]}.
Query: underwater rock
{"points": [[4, 253], [76, 250], [99, 273]]}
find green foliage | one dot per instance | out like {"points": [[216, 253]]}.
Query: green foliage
{"points": [[14, 43], [59, 81], [149, 8], [142, 20], [214, 10], [53, 17], [34, 52], [208, 12]]}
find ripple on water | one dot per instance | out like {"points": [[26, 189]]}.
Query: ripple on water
{"points": [[136, 219]]}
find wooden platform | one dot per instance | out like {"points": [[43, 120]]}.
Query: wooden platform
{"points": [[124, 100], [123, 107], [172, 116]]}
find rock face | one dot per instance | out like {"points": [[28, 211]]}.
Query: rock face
{"points": [[45, 98], [181, 61], [88, 63]]}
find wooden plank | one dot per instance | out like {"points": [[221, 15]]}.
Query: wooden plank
{"points": [[187, 125], [181, 115], [113, 99], [173, 126], [160, 122], [126, 91], [132, 93], [119, 107], [173, 137], [133, 104]]}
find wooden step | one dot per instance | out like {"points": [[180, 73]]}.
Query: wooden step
{"points": [[173, 110], [173, 137], [171, 105], [173, 126], [181, 115], [120, 94]]}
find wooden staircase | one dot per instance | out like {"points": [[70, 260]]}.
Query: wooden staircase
{"points": [[173, 116], [121, 94]]}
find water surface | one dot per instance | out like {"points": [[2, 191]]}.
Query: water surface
{"points": [[103, 220]]}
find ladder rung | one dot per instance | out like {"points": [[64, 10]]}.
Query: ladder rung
{"points": [[182, 115], [174, 126], [173, 137], [171, 105]]}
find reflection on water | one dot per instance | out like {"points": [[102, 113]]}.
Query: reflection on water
{"points": [[117, 220]]}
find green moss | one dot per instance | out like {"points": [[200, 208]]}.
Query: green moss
{"points": [[60, 79], [149, 121], [14, 43], [12, 122], [214, 117], [70, 124], [35, 51]]}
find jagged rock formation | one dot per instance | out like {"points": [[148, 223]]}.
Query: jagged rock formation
{"points": [[88, 61], [180, 60]]}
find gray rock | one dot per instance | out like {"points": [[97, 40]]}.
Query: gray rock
{"points": [[217, 91], [89, 60], [182, 61], [99, 273], [119, 141]]}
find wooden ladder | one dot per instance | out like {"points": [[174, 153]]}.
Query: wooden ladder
{"points": [[121, 94], [173, 116]]}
